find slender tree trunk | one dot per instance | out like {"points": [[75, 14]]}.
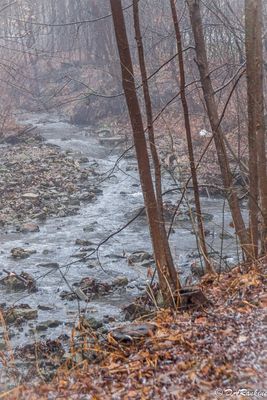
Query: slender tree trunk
{"points": [[201, 235], [150, 128], [168, 278], [256, 125], [252, 125], [202, 62]]}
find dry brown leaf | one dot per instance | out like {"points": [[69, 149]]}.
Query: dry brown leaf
{"points": [[150, 272], [201, 320], [263, 301]]}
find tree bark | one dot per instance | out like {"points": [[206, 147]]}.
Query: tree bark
{"points": [[201, 235], [150, 129], [252, 126], [212, 110], [168, 278], [256, 124]]}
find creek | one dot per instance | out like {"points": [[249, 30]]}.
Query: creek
{"points": [[55, 243]]}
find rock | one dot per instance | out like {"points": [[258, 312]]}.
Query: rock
{"points": [[82, 242], [196, 269], [140, 211], [131, 168], [46, 350], [193, 297], [20, 314], [86, 196], [120, 281], [87, 249], [11, 139], [134, 311], [97, 191], [207, 217], [2, 332], [84, 176], [29, 228], [87, 289], [62, 213], [104, 132], [80, 294], [111, 141], [115, 256], [47, 251], [89, 228], [92, 265], [2, 220], [91, 322], [41, 216], [108, 318], [81, 255], [207, 232], [139, 257], [45, 307], [31, 196], [43, 326], [240, 179], [3, 342], [182, 217], [19, 253], [133, 332], [23, 281], [225, 235], [48, 265], [74, 202], [83, 160], [147, 263], [72, 210]]}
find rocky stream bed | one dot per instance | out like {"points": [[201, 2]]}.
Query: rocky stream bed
{"points": [[61, 197]]}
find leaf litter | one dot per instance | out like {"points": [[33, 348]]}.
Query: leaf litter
{"points": [[186, 354]]}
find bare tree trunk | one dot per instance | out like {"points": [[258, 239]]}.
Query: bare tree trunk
{"points": [[168, 278], [202, 62], [201, 235], [252, 126], [256, 126], [150, 128]]}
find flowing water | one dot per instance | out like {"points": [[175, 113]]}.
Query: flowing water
{"points": [[56, 240]]}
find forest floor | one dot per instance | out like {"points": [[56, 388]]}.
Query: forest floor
{"points": [[210, 352]]}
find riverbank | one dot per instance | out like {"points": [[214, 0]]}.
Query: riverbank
{"points": [[205, 353], [38, 180]]}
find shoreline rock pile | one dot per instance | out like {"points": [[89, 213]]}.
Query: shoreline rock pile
{"points": [[38, 180]]}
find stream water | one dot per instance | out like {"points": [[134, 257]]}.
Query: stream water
{"points": [[56, 240]]}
